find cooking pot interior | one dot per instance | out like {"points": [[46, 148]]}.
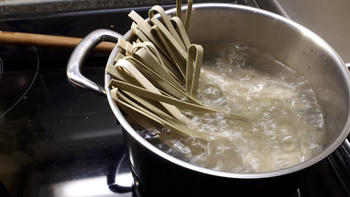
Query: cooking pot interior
{"points": [[298, 48]]}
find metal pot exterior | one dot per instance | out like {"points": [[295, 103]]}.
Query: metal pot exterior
{"points": [[156, 176]]}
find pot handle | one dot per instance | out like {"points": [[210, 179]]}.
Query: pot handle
{"points": [[77, 58], [119, 177]]}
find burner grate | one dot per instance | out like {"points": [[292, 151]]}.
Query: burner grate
{"points": [[340, 163]]}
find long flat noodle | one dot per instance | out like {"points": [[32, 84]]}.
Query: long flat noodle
{"points": [[180, 29], [185, 97], [125, 45], [169, 37], [178, 103], [138, 19], [166, 99], [166, 21], [148, 85], [189, 73], [118, 57], [160, 73], [144, 54], [188, 14], [114, 72], [116, 95], [174, 70], [158, 80], [145, 28], [150, 48], [149, 61], [159, 97], [178, 8], [151, 105], [179, 128], [168, 88], [193, 66], [143, 103], [154, 55], [121, 75], [139, 33], [142, 111], [198, 50], [179, 62]]}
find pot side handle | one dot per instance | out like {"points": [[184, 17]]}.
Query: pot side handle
{"points": [[76, 60], [119, 177]]}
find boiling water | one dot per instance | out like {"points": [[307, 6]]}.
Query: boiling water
{"points": [[286, 124]]}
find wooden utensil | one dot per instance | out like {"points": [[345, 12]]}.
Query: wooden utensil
{"points": [[47, 40]]}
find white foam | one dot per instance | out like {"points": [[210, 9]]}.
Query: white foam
{"points": [[287, 124]]}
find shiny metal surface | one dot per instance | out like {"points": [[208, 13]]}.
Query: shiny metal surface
{"points": [[76, 59], [120, 179], [287, 41], [347, 144], [329, 19], [292, 44]]}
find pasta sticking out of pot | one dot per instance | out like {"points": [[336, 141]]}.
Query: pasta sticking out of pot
{"points": [[157, 75], [224, 115]]}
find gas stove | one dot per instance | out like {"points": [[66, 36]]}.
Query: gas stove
{"points": [[59, 140]]}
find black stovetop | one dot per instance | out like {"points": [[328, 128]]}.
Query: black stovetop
{"points": [[59, 140]]}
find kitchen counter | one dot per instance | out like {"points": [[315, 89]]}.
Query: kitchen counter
{"points": [[25, 8]]}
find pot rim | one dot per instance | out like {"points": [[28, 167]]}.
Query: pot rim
{"points": [[314, 37]]}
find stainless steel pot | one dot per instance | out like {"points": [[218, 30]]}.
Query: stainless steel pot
{"points": [[285, 40]]}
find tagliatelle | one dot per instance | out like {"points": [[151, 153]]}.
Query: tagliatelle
{"points": [[158, 74]]}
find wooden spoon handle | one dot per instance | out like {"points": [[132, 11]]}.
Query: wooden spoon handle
{"points": [[47, 40]]}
